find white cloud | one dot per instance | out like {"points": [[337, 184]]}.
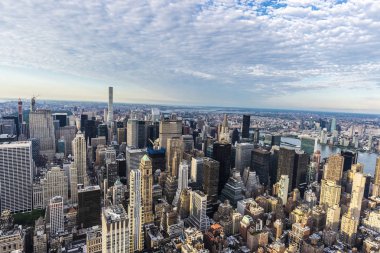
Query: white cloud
{"points": [[224, 48]]}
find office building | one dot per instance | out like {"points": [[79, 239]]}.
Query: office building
{"points": [[110, 106], [56, 215], [16, 176], [243, 156], [210, 177], [147, 188], [307, 144], [233, 189], [132, 133], [245, 126], [136, 211], [286, 164], [281, 188], [198, 205], [41, 127], [330, 194], [94, 240], [55, 183], [133, 158], [89, 206], [334, 168], [301, 162], [376, 180], [169, 128], [350, 158], [80, 162], [183, 180], [261, 162], [196, 173], [73, 174], [333, 217], [222, 153], [115, 230], [173, 155]]}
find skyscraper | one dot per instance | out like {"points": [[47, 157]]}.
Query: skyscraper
{"points": [[211, 177], [56, 215], [301, 162], [73, 174], [222, 153], [169, 128], [334, 168], [198, 205], [224, 131], [41, 127], [376, 181], [115, 230], [79, 151], [261, 162], [147, 188], [132, 133], [20, 117], [183, 174], [330, 193], [245, 126], [286, 164], [136, 213], [16, 176], [55, 183], [89, 206], [243, 156], [173, 155], [110, 105]]}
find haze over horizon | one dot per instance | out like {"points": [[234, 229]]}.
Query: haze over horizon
{"points": [[284, 54]]}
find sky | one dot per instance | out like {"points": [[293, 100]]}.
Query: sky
{"points": [[285, 54]]}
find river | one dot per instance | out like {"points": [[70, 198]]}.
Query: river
{"points": [[368, 159]]}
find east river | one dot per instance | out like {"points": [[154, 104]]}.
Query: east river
{"points": [[368, 159]]}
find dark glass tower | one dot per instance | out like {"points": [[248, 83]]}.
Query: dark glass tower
{"points": [[350, 158], [245, 128], [286, 165], [89, 207], [221, 152], [261, 162]]}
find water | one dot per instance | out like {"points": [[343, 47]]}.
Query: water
{"points": [[368, 159]]}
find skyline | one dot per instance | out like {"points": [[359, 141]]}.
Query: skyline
{"points": [[313, 55]]}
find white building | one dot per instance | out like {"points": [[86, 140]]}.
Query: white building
{"points": [[183, 180], [115, 230], [79, 152], [16, 176], [55, 183], [135, 210], [56, 215], [198, 206]]}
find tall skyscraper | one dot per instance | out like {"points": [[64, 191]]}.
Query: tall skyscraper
{"points": [[224, 131], [376, 181], [198, 206], [20, 117], [211, 178], [301, 162], [281, 188], [286, 164], [79, 151], [133, 158], [183, 180], [334, 168], [222, 153], [41, 127], [196, 173], [55, 183], [132, 133], [110, 105], [330, 193], [136, 213], [243, 156], [56, 215], [16, 176], [115, 230], [173, 155], [73, 174], [89, 206], [261, 162], [350, 158], [147, 188], [169, 128], [245, 126], [333, 218]]}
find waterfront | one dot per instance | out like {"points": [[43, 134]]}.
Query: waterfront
{"points": [[368, 159]]}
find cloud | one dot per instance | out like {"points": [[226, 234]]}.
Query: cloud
{"points": [[235, 50]]}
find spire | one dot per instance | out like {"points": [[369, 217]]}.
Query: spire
{"points": [[225, 121]]}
